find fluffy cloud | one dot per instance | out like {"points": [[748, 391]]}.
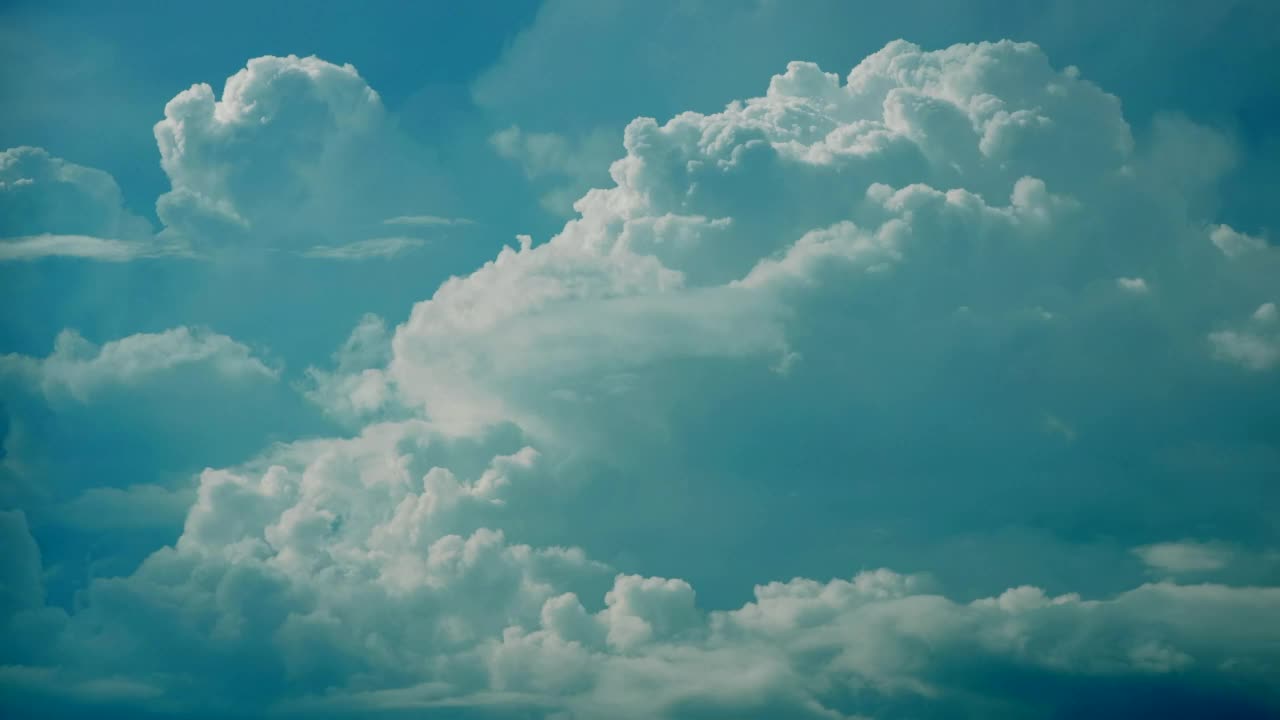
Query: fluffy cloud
{"points": [[293, 151], [79, 368], [358, 576], [1233, 243], [975, 179], [1186, 556], [1256, 346], [886, 305], [50, 207]]}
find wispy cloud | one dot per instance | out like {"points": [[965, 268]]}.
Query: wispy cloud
{"points": [[428, 220], [34, 247], [365, 249]]}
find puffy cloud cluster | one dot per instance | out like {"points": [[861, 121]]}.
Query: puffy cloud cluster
{"points": [[294, 153], [952, 275], [968, 195], [358, 576]]}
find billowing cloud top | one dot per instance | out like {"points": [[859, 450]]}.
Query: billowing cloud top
{"points": [[940, 308], [295, 151]]}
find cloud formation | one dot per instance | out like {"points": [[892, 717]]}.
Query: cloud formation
{"points": [[51, 207], [79, 368], [293, 152], [1185, 557], [926, 271], [384, 247]]}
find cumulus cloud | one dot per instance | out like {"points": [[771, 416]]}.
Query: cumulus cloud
{"points": [[293, 150], [364, 566], [79, 368], [1255, 345], [176, 400], [979, 174], [795, 263], [51, 207], [1233, 243]]}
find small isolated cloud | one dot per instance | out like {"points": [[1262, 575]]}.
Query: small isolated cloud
{"points": [[1185, 556], [1247, 349], [1233, 243], [428, 220], [366, 249], [1254, 345], [1135, 285]]}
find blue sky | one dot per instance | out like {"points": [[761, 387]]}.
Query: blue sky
{"points": [[639, 360]]}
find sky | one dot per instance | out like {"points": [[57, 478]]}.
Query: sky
{"points": [[673, 360]]}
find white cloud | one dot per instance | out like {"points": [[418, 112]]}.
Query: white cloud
{"points": [[427, 220], [1250, 350], [364, 566], [1254, 346], [79, 367], [294, 151], [841, 222], [386, 247], [1137, 286], [81, 246], [956, 178], [1233, 243], [1186, 556]]}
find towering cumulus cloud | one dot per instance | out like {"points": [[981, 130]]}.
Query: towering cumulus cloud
{"points": [[944, 315], [295, 151]]}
